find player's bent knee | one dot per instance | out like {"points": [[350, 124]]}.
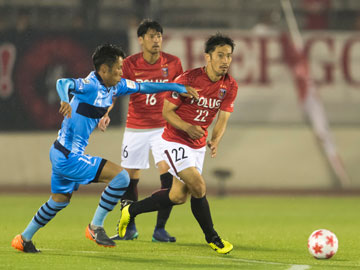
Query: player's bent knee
{"points": [[178, 201], [178, 198], [109, 172], [61, 198], [198, 191], [199, 187], [122, 179]]}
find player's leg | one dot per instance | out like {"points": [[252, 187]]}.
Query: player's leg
{"points": [[46, 212], [199, 204], [61, 190], [118, 181], [131, 194], [132, 191], [166, 178], [187, 164], [158, 200], [201, 210], [135, 156]]}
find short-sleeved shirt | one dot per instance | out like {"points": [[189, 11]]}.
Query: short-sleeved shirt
{"points": [[213, 96], [91, 99], [145, 111]]}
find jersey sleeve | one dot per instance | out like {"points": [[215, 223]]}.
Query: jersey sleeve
{"points": [[174, 97], [182, 79], [228, 103], [126, 87], [83, 86]]}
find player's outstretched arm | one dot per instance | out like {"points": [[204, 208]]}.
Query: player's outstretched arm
{"points": [[63, 87], [169, 114], [218, 132], [151, 88], [191, 93]]}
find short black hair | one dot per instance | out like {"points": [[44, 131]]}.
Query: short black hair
{"points": [[106, 54], [147, 24], [218, 40]]}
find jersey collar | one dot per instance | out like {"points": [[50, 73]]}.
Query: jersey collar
{"points": [[99, 78]]}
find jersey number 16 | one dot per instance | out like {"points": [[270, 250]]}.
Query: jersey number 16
{"points": [[150, 99]]}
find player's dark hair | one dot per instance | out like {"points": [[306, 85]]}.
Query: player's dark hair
{"points": [[218, 40], [106, 54], [147, 24]]}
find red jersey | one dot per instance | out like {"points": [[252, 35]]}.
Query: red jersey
{"points": [[213, 96], [145, 110]]}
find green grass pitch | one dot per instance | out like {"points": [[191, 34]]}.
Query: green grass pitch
{"points": [[267, 232]]}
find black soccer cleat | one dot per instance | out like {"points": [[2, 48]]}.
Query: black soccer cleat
{"points": [[161, 235], [99, 236]]}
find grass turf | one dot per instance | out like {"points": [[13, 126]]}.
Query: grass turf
{"points": [[267, 233]]}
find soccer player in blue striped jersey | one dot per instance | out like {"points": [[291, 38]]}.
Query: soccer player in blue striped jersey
{"points": [[92, 96]]}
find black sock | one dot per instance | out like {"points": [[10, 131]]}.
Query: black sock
{"points": [[163, 214], [201, 211], [166, 180], [158, 200], [131, 194], [132, 191]]}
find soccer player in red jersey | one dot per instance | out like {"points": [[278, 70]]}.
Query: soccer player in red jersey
{"points": [[185, 135], [145, 124]]}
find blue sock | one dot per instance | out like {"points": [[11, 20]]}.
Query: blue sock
{"points": [[110, 197], [45, 213]]}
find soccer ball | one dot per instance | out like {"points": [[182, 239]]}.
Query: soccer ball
{"points": [[323, 244]]}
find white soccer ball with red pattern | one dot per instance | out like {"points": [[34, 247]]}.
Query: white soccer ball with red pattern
{"points": [[323, 244]]}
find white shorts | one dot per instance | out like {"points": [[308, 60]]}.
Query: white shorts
{"points": [[180, 157], [136, 148]]}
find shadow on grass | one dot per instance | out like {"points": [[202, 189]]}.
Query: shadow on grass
{"points": [[236, 247]]}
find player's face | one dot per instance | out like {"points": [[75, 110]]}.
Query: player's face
{"points": [[151, 42], [219, 60], [113, 74]]}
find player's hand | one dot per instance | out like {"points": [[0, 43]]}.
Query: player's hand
{"points": [[213, 147], [191, 93], [104, 123], [65, 109], [195, 132]]}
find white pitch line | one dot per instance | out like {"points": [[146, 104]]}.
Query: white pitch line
{"points": [[292, 266], [299, 267]]}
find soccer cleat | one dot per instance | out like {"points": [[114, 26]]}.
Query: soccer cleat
{"points": [[24, 246], [220, 246], [99, 236], [124, 203], [131, 233], [124, 219], [161, 235]]}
